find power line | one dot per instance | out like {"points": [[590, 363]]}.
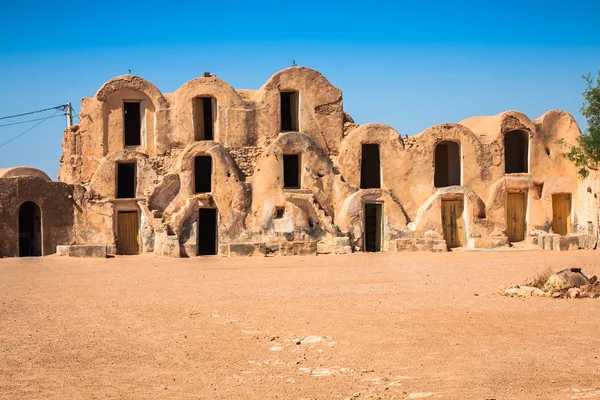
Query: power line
{"points": [[34, 112], [32, 120], [27, 130]]}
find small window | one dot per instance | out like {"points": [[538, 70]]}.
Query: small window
{"points": [[516, 152], [202, 174], [447, 164], [370, 167], [279, 212], [133, 123], [289, 111], [204, 109], [291, 171], [126, 182]]}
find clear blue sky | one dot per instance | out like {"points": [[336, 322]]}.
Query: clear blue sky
{"points": [[410, 65]]}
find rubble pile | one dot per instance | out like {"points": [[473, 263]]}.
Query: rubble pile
{"points": [[567, 284]]}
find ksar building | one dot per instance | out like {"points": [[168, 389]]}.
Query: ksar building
{"points": [[284, 170]]}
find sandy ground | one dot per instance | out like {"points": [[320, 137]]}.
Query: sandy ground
{"points": [[385, 325]]}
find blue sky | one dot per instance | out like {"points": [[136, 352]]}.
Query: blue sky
{"points": [[407, 64]]}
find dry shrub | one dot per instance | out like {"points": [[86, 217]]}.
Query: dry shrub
{"points": [[540, 278]]}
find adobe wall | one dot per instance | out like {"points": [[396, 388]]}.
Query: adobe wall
{"points": [[54, 200], [328, 209]]}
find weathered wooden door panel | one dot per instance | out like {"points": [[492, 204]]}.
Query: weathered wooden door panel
{"points": [[515, 216], [127, 233], [452, 222], [561, 213]]}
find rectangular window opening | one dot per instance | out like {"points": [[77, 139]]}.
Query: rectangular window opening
{"points": [[289, 111], [204, 111], [126, 180], [291, 171], [279, 212], [132, 122], [202, 174], [370, 167]]}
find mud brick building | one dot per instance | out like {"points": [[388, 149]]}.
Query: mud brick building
{"points": [[284, 170]]}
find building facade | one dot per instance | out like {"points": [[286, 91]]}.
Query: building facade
{"points": [[284, 170]]}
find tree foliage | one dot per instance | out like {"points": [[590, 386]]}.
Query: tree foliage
{"points": [[586, 152]]}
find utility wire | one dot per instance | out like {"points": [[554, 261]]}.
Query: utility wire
{"points": [[32, 120], [33, 112], [27, 130]]}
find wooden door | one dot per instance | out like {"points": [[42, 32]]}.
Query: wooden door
{"points": [[561, 213], [515, 216], [128, 233], [452, 222]]}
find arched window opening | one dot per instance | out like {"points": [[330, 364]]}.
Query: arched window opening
{"points": [[370, 167], [516, 152], [447, 164], [202, 174], [204, 113], [30, 230], [289, 103], [132, 116]]}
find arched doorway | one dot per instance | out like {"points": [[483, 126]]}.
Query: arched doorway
{"points": [[516, 152], [447, 164], [30, 230]]}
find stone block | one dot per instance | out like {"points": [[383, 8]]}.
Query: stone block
{"points": [[343, 250], [490, 242], [325, 248], [271, 249], [224, 250], [342, 241], [439, 246], [415, 244], [241, 249], [87, 250], [567, 243], [586, 241], [62, 250]]}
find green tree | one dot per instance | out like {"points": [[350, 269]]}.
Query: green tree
{"points": [[586, 152]]}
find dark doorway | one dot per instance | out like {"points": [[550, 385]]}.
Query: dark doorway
{"points": [[203, 174], [291, 171], [128, 238], [30, 230], [204, 109], [126, 180], [207, 232], [133, 123], [516, 152], [370, 167], [289, 111], [373, 227], [447, 164]]}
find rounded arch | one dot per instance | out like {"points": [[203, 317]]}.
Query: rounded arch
{"points": [[319, 107], [30, 229], [491, 128], [103, 182], [447, 163], [350, 159], [132, 82], [316, 169], [15, 172], [225, 103], [350, 217], [228, 190]]}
